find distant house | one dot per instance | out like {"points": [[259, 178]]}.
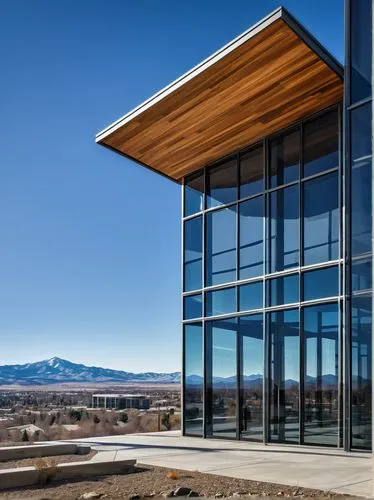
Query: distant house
{"points": [[31, 429]]}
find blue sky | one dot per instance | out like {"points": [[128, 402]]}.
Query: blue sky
{"points": [[89, 242]]}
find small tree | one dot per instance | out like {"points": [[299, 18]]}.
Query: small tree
{"points": [[25, 436], [166, 421], [124, 417]]}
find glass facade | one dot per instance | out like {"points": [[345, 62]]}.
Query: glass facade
{"points": [[263, 296], [358, 169]]}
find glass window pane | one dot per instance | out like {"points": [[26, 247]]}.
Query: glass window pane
{"points": [[251, 376], [284, 290], [251, 296], [321, 283], [361, 371], [321, 354], [361, 275], [192, 306], [284, 158], [193, 194], [222, 183], [284, 376], [321, 144], [193, 254], [361, 43], [251, 222], [221, 301], [361, 179], [193, 379], [221, 246], [321, 219], [221, 369], [284, 228], [251, 172]]}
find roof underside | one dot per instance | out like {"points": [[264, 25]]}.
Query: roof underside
{"points": [[268, 78]]}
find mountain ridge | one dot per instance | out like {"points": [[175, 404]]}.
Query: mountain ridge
{"points": [[58, 370]]}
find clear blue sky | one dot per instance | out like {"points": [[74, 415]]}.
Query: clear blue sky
{"points": [[89, 242]]}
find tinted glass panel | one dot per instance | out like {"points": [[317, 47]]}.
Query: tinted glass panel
{"points": [[251, 376], [192, 306], [221, 246], [284, 159], [284, 228], [321, 354], [193, 381], [361, 179], [251, 172], [251, 238], [284, 376], [251, 296], [321, 144], [321, 219], [361, 275], [284, 290], [221, 301], [193, 194], [361, 371], [193, 254], [321, 283], [222, 183], [221, 368], [361, 33]]}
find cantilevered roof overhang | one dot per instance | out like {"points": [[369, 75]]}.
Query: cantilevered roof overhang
{"points": [[269, 77]]}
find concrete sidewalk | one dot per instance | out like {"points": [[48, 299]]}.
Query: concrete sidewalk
{"points": [[319, 468]]}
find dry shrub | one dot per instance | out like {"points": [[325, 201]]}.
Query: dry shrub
{"points": [[172, 474], [47, 469]]}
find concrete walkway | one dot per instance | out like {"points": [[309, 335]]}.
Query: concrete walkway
{"points": [[319, 468]]}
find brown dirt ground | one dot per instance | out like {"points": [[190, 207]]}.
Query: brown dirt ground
{"points": [[46, 461], [147, 481]]}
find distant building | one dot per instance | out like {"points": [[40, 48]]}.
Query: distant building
{"points": [[120, 401], [31, 429]]}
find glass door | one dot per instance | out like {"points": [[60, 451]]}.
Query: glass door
{"points": [[251, 377], [284, 380]]}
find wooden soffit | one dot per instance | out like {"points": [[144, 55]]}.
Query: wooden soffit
{"points": [[269, 77]]}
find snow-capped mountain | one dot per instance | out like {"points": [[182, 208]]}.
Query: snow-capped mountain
{"points": [[57, 370]]}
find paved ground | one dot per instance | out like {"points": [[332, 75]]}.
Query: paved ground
{"points": [[318, 468]]}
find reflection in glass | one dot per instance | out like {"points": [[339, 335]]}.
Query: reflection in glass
{"points": [[321, 283], [193, 379], [321, 354], [251, 376], [361, 371], [284, 228], [222, 183], [321, 219], [361, 275], [283, 290], [284, 376], [221, 246], [361, 43], [284, 159], [321, 144], [193, 254], [251, 172], [221, 301], [251, 238], [193, 194], [361, 179], [192, 306], [221, 384], [251, 296]]}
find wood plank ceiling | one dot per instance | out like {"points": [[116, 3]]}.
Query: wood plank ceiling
{"points": [[264, 85]]}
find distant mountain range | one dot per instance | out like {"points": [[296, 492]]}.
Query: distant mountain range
{"points": [[57, 370]]}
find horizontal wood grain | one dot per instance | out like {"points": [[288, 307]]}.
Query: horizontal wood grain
{"points": [[269, 82]]}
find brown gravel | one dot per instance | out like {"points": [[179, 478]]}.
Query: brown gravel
{"points": [[147, 481], [53, 460]]}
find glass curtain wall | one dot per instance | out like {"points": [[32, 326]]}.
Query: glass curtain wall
{"points": [[262, 291], [358, 170]]}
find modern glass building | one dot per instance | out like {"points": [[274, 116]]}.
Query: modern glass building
{"points": [[272, 146]]}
